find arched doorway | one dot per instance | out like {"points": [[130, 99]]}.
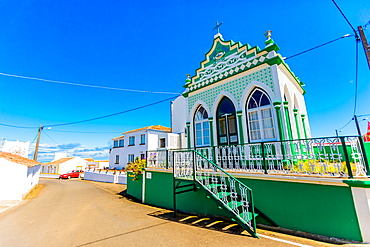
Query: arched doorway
{"points": [[226, 123]]}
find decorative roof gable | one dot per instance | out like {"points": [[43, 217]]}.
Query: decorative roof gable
{"points": [[227, 58]]}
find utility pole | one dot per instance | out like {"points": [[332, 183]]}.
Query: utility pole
{"points": [[365, 44], [37, 143]]}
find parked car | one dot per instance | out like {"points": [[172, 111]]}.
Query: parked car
{"points": [[71, 174]]}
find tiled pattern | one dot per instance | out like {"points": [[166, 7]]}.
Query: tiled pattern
{"points": [[235, 87]]}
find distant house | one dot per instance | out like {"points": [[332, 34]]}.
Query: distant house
{"points": [[97, 164], [135, 143], [18, 176], [64, 165]]}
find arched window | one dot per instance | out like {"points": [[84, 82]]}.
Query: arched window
{"points": [[201, 127], [226, 123], [260, 118]]}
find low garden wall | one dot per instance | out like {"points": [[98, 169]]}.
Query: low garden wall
{"points": [[106, 176], [324, 206]]}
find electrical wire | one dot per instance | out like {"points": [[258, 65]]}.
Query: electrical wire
{"points": [[354, 30], [86, 132], [111, 115], [84, 85], [15, 126], [50, 138], [344, 36], [346, 124], [96, 118]]}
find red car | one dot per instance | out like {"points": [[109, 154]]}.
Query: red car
{"points": [[71, 174]]}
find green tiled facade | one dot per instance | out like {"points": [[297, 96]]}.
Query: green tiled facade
{"points": [[235, 88]]}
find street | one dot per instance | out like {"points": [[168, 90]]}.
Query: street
{"points": [[81, 213]]}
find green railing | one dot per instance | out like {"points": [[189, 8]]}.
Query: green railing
{"points": [[227, 191], [317, 157]]}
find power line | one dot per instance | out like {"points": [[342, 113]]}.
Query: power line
{"points": [[344, 36], [16, 126], [86, 132], [346, 124], [110, 115], [50, 138], [96, 118], [353, 29], [85, 85]]}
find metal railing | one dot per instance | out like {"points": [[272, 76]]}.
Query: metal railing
{"points": [[317, 157], [228, 191]]}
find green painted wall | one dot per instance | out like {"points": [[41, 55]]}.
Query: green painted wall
{"points": [[135, 188], [320, 209]]}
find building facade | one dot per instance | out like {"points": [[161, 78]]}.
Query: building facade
{"points": [[241, 94], [135, 143]]}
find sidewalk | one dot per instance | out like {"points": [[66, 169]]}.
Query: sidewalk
{"points": [[5, 205]]}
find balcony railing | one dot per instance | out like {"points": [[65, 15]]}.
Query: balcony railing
{"points": [[329, 156]]}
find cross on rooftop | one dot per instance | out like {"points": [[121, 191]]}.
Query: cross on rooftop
{"points": [[218, 26]]}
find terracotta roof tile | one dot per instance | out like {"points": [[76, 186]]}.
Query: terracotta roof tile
{"points": [[18, 159], [116, 138], [60, 161], [152, 127]]}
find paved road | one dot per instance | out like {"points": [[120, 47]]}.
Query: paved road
{"points": [[79, 213]]}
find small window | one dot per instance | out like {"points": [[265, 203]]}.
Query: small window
{"points": [[142, 139], [162, 142], [131, 158], [122, 143], [115, 144], [142, 156], [131, 141], [117, 159]]}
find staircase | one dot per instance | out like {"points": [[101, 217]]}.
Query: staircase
{"points": [[229, 193]]}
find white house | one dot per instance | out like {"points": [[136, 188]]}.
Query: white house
{"points": [[97, 164], [64, 165], [15, 147], [135, 143], [18, 176]]}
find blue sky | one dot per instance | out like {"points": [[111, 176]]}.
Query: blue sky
{"points": [[151, 46]]}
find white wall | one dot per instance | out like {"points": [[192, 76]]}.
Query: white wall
{"points": [[107, 177], [16, 180], [72, 164], [112, 158], [179, 114]]}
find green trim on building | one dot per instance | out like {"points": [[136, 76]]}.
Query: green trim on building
{"points": [[358, 183], [277, 106], [303, 117], [239, 115], [188, 134], [287, 120], [295, 112], [210, 119]]}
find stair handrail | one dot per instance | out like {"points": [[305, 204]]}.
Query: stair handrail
{"points": [[251, 224], [209, 161]]}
